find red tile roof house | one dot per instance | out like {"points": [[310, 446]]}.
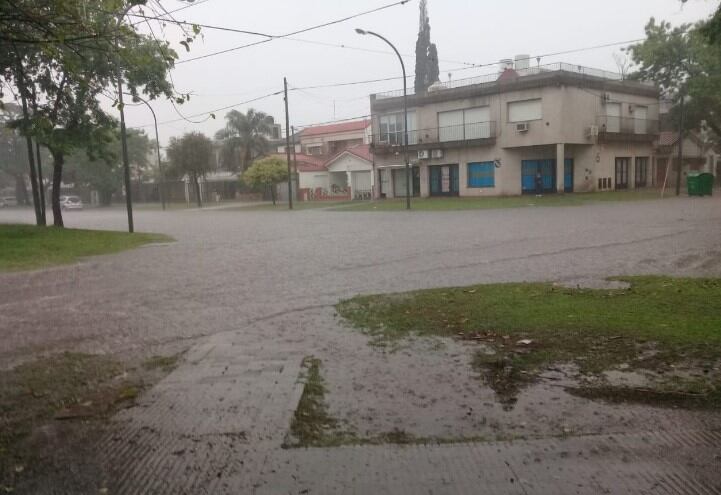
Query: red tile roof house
{"points": [[336, 162]]}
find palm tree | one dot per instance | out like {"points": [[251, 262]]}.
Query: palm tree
{"points": [[244, 136]]}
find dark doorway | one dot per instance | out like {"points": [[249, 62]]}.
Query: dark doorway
{"points": [[622, 173], [443, 180]]}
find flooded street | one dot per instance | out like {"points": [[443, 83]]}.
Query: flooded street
{"points": [[250, 294]]}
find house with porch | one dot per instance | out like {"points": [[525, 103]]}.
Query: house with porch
{"points": [[582, 129], [346, 175]]}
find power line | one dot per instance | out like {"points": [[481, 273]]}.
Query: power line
{"points": [[368, 81], [270, 37], [209, 113], [458, 69]]}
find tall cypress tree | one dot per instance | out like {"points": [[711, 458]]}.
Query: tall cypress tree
{"points": [[426, 53]]}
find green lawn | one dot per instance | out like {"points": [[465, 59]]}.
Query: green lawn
{"points": [[466, 203], [26, 247], [654, 324], [297, 205]]}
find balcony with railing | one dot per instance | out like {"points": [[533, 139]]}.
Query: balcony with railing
{"points": [[492, 78], [454, 136], [613, 127]]}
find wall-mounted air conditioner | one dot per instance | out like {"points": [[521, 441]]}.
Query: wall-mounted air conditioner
{"points": [[522, 127], [423, 154], [437, 154]]}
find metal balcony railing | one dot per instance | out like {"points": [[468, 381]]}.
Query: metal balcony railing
{"points": [[610, 124], [447, 134], [530, 71]]}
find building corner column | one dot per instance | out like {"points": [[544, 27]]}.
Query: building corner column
{"points": [[560, 169]]}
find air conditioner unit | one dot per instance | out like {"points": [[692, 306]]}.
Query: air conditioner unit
{"points": [[423, 154], [522, 127], [592, 131], [437, 154]]}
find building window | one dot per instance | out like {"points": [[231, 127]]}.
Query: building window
{"points": [[314, 150], [524, 111], [640, 120], [391, 129], [641, 171], [613, 117], [461, 125], [622, 173], [481, 174]]}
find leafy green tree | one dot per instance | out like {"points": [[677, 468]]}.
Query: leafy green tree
{"points": [[684, 64], [192, 156], [244, 138], [63, 79], [103, 172], [266, 173]]}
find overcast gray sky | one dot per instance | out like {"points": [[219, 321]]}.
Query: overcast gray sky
{"points": [[465, 31]]}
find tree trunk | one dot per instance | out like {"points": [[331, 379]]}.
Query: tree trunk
{"points": [[197, 190], [20, 82], [21, 192], [247, 158], [41, 184], [58, 161], [272, 193]]}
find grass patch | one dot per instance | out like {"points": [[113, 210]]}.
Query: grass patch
{"points": [[63, 398], [164, 363], [297, 205], [63, 386], [656, 322], [26, 247], [495, 202], [313, 426]]}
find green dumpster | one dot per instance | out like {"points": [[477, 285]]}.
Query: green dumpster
{"points": [[693, 183], [706, 184]]}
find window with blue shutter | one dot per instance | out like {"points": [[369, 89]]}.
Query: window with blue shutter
{"points": [[481, 174]]}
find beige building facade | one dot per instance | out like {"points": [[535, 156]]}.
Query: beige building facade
{"points": [[582, 130]]}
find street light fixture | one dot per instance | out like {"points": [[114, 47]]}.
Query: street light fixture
{"points": [[405, 113]]}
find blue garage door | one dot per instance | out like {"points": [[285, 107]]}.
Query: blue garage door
{"points": [[548, 172], [568, 175], [529, 168]]}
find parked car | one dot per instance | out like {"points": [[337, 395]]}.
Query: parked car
{"points": [[8, 201], [71, 203]]}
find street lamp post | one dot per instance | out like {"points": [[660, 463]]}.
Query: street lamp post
{"points": [[405, 114], [161, 189]]}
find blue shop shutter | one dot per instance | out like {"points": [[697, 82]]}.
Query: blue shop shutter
{"points": [[481, 174]]}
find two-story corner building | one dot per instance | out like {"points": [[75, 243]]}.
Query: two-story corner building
{"points": [[327, 140], [581, 129]]}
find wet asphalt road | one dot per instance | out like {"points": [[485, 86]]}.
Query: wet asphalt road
{"points": [[251, 293], [232, 267]]}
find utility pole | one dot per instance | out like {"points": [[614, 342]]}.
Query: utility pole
{"points": [[287, 145], [680, 149]]}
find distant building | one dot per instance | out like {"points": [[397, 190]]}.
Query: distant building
{"points": [[335, 162], [582, 129]]}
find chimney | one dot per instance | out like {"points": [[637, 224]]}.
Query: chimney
{"points": [[523, 62]]}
